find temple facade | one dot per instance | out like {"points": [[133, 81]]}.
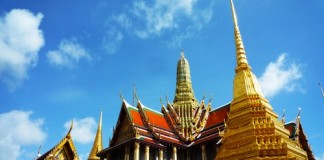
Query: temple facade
{"points": [[185, 129], [245, 128]]}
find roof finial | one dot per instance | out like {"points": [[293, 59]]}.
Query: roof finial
{"points": [[166, 98], [68, 135], [299, 109], [182, 53], [321, 89], [211, 97], [134, 93], [38, 152], [203, 98], [121, 96], [161, 101], [283, 116]]}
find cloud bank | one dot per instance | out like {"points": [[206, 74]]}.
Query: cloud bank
{"points": [[279, 76], [17, 130], [83, 131], [20, 41]]}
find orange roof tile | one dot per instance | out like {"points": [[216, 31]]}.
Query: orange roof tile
{"points": [[157, 119], [217, 116], [135, 116]]}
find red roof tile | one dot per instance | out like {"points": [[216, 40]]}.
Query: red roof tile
{"points": [[135, 116], [156, 119], [217, 116]]}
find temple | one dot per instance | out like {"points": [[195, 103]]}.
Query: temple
{"points": [[245, 128], [186, 129], [65, 149]]}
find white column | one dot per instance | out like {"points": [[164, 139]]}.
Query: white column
{"points": [[188, 154], [147, 152], [160, 154], [136, 150], [126, 157], [174, 155]]}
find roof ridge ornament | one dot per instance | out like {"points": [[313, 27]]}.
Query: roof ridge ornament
{"points": [[68, 135], [121, 96], [211, 97], [134, 94], [161, 101], [283, 116], [321, 89]]}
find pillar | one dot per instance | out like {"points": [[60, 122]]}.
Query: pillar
{"points": [[147, 152], [136, 150], [174, 155], [160, 154], [203, 152], [188, 154], [126, 157]]}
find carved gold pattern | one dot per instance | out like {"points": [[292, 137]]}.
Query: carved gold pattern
{"points": [[126, 132]]}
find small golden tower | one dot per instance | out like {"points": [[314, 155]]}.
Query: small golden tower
{"points": [[97, 144], [253, 130], [184, 101]]}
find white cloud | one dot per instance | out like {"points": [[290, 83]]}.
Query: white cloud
{"points": [[123, 20], [20, 41], [279, 76], [83, 131], [17, 130], [320, 158], [112, 40], [69, 53], [158, 18], [83, 156], [162, 15]]}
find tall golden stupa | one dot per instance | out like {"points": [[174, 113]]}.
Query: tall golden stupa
{"points": [[253, 130]]}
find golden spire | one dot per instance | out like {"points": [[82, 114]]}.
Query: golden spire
{"points": [[241, 61], [252, 130], [245, 82], [97, 144]]}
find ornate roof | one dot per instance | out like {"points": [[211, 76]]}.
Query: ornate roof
{"points": [[65, 149]]}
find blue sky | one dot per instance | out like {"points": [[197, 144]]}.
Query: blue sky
{"points": [[64, 60]]}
